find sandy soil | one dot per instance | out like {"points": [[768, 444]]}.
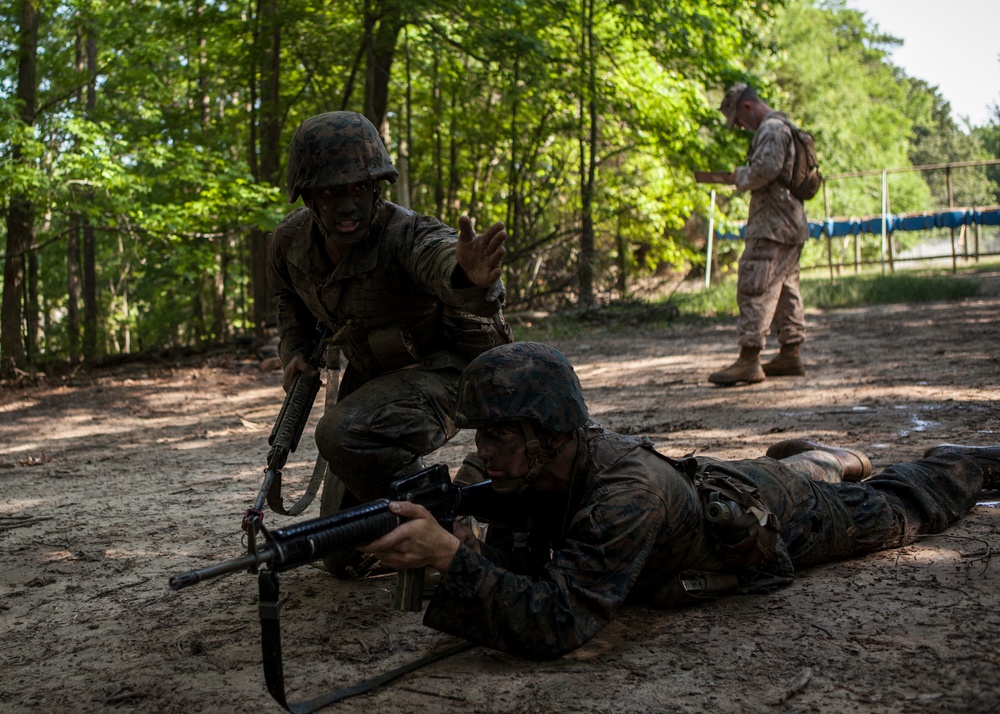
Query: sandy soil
{"points": [[113, 481]]}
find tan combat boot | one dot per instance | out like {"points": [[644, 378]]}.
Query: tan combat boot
{"points": [[745, 369], [788, 362], [855, 464]]}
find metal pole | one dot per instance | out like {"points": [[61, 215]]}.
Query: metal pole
{"points": [[829, 238], [951, 204], [884, 182], [711, 235]]}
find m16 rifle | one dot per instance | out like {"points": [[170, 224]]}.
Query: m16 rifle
{"points": [[306, 542], [302, 543], [284, 440]]}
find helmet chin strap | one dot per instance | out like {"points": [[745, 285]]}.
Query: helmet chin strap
{"points": [[537, 454]]}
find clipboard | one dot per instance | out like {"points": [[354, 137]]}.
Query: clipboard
{"points": [[713, 177]]}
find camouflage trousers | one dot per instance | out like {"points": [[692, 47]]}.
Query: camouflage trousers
{"points": [[767, 293], [822, 521], [379, 431]]}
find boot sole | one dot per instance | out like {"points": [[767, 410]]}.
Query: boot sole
{"points": [[735, 382]]}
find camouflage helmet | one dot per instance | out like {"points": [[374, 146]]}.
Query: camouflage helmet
{"points": [[335, 149], [522, 380]]}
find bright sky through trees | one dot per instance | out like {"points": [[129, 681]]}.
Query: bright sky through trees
{"points": [[953, 45]]}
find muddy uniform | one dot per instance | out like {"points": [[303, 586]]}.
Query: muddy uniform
{"points": [[407, 324], [633, 521], [776, 229]]}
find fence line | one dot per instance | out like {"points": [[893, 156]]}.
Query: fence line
{"points": [[886, 223]]}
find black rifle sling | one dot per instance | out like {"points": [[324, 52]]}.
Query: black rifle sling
{"points": [[277, 504], [270, 643]]}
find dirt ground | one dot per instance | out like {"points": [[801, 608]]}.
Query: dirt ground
{"points": [[116, 480]]}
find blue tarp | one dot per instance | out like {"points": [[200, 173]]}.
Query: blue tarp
{"points": [[922, 222]]}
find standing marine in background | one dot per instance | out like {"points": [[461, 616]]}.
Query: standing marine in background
{"points": [[767, 289], [408, 300]]}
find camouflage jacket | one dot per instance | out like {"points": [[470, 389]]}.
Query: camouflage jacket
{"points": [[631, 522], [392, 303], [774, 212]]}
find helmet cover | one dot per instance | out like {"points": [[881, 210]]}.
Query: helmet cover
{"points": [[521, 380], [336, 149]]}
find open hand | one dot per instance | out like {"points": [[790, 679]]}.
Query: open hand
{"points": [[480, 256]]}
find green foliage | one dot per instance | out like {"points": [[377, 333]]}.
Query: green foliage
{"points": [[158, 145], [989, 137], [895, 288], [910, 286], [834, 77], [716, 301]]}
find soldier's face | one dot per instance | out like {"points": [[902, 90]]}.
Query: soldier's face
{"points": [[344, 211], [504, 452]]}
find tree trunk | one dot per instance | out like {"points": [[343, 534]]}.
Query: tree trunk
{"points": [[438, 163], [588, 163], [89, 237], [406, 139], [622, 261], [89, 292], [21, 211], [215, 283], [220, 325], [514, 213], [383, 23], [32, 308], [270, 136], [73, 289]]}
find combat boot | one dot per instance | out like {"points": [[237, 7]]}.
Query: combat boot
{"points": [[787, 363], [855, 464], [745, 369], [986, 457]]}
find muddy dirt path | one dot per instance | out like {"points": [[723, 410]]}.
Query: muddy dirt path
{"points": [[113, 482]]}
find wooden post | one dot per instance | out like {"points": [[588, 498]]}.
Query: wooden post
{"points": [[951, 204], [711, 235], [883, 249]]}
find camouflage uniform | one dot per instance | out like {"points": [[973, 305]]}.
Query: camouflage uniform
{"points": [[633, 523], [768, 284], [406, 325]]}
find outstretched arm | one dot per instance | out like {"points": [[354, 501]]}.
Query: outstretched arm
{"points": [[480, 256]]}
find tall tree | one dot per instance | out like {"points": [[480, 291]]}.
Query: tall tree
{"points": [[268, 126], [383, 22], [21, 210], [589, 147]]}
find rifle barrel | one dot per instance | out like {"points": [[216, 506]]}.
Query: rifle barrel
{"points": [[213, 571]]}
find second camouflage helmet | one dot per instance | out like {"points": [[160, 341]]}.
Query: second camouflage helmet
{"points": [[335, 149], [522, 380]]}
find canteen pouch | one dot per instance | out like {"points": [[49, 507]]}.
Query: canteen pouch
{"points": [[393, 347], [744, 530], [470, 335]]}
